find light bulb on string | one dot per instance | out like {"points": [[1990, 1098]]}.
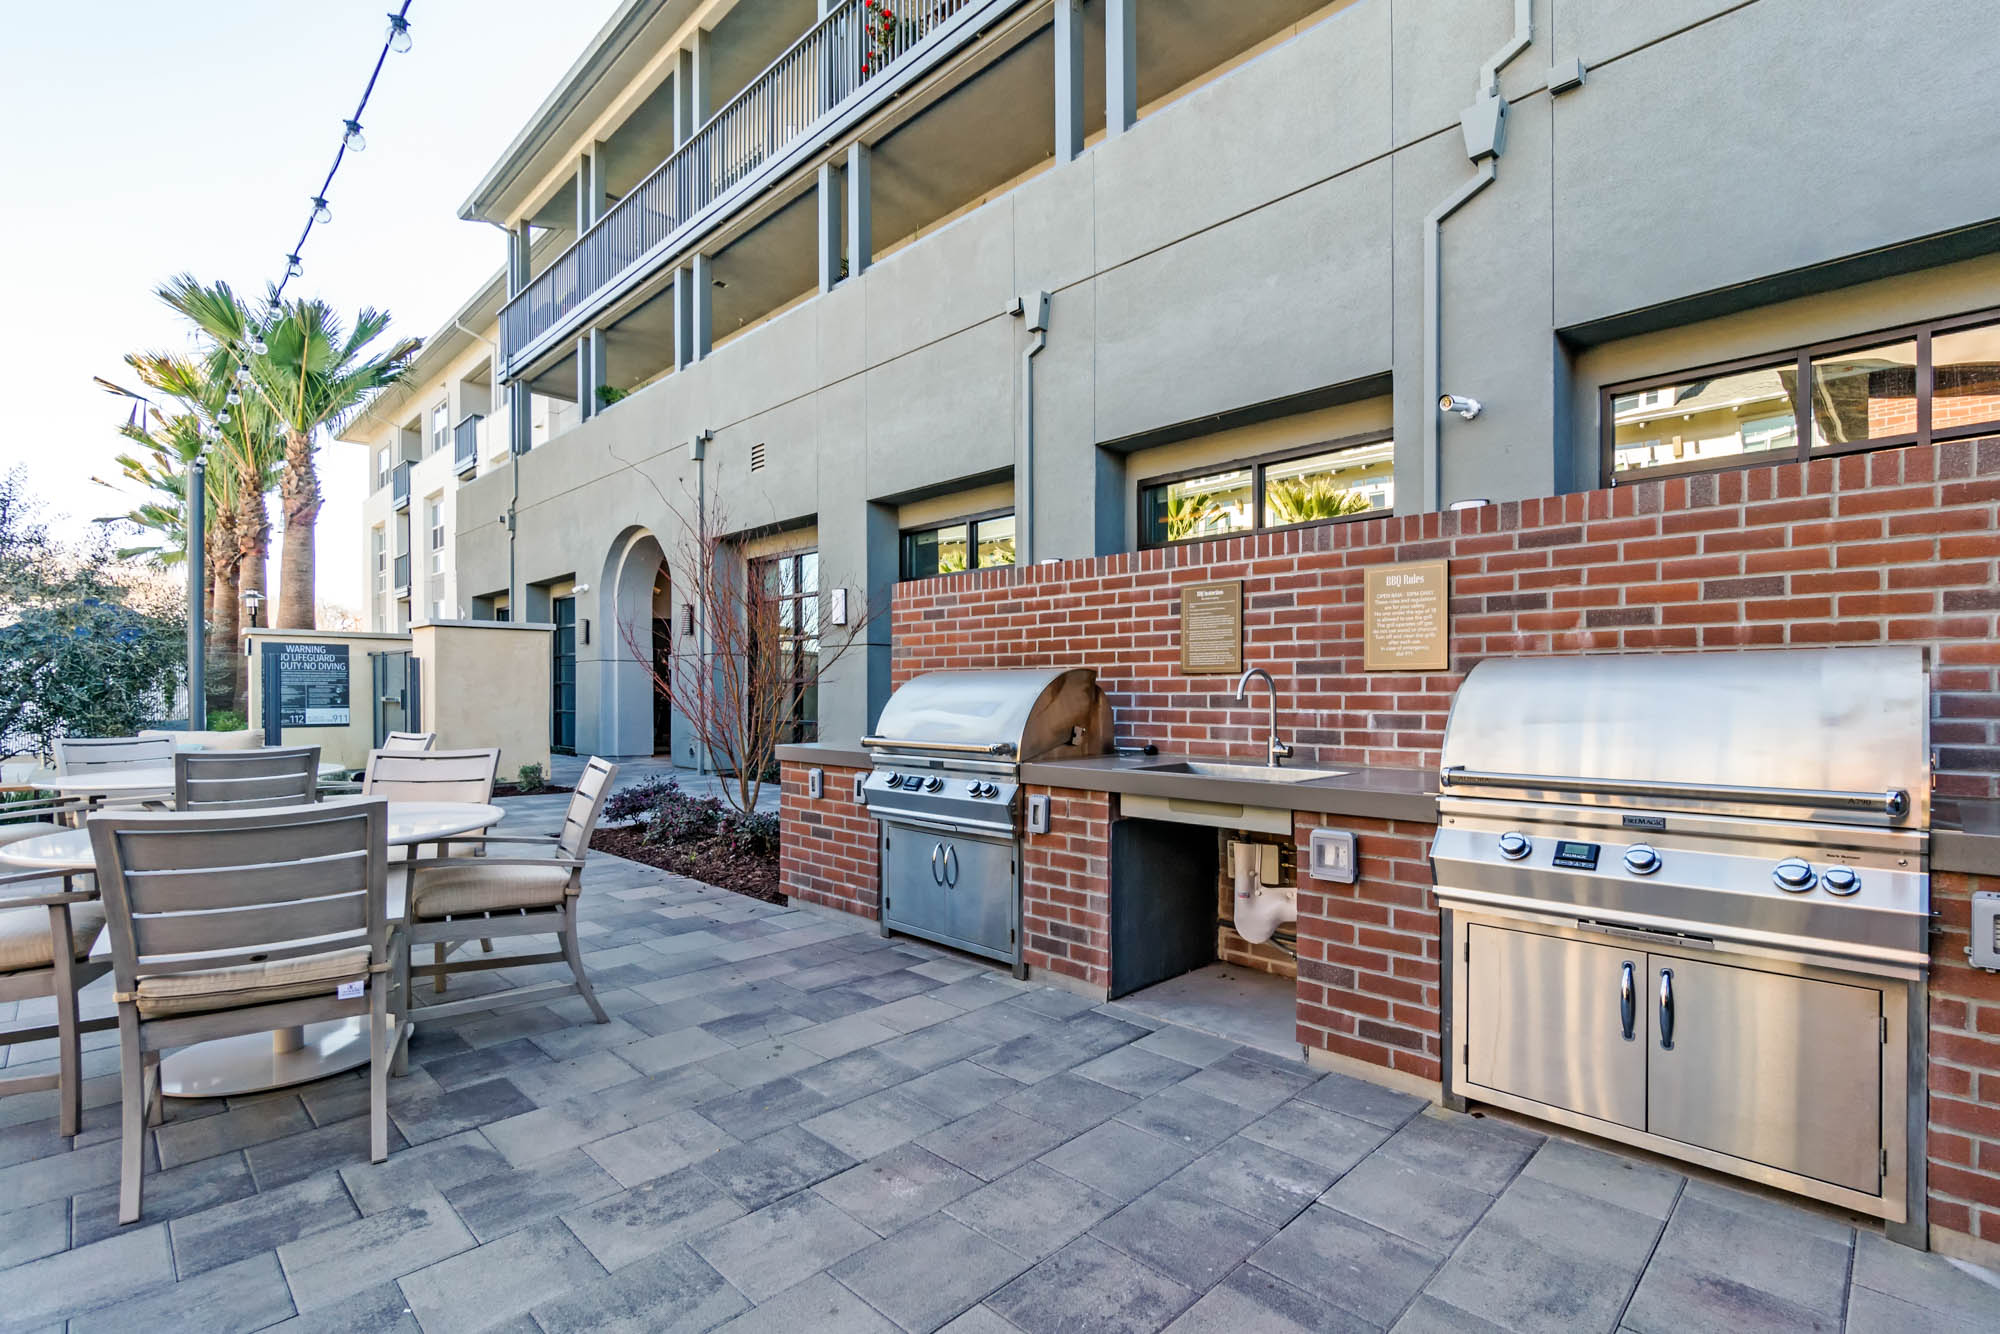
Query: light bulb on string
{"points": [[355, 143], [243, 375], [222, 417], [258, 347], [321, 213], [399, 33], [233, 397]]}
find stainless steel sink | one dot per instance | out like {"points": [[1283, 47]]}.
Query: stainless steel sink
{"points": [[1258, 773]]}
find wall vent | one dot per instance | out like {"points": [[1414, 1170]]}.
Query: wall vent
{"points": [[757, 456]]}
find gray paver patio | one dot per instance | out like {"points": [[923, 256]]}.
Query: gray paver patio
{"points": [[796, 1124]]}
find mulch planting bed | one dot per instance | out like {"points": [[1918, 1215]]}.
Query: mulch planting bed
{"points": [[711, 861], [515, 790]]}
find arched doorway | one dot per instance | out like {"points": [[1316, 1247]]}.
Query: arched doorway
{"points": [[635, 608]]}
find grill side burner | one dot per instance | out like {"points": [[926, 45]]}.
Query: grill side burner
{"points": [[1687, 906], [945, 794]]}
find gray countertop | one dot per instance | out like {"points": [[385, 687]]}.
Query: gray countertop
{"points": [[1965, 835], [1382, 794]]}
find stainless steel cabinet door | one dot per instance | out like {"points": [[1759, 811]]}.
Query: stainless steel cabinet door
{"points": [[979, 893], [1559, 1021], [1777, 1069], [913, 879]]}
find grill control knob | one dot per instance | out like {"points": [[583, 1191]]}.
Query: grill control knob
{"points": [[934, 784], [1839, 880], [1514, 846], [895, 780], [1640, 859], [978, 789], [1794, 876]]}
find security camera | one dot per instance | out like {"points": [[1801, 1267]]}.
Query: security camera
{"points": [[1467, 408]]}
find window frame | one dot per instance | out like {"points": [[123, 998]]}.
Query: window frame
{"points": [[440, 434], [1257, 463], [1800, 359], [971, 522]]}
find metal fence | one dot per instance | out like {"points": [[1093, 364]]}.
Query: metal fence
{"points": [[835, 60], [465, 443], [399, 486]]}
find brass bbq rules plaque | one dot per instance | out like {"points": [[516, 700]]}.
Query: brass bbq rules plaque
{"points": [[1403, 626], [1212, 628]]}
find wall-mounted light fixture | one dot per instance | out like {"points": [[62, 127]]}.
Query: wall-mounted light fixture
{"points": [[1467, 408]]}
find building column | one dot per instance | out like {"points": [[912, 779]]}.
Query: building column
{"points": [[829, 226], [1121, 66], [860, 210], [1069, 80], [590, 192], [693, 311], [684, 81], [589, 372]]}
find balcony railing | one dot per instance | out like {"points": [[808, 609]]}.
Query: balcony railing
{"points": [[855, 46], [465, 444], [403, 575], [399, 487]]}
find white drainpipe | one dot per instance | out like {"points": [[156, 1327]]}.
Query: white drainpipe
{"points": [[1035, 308]]}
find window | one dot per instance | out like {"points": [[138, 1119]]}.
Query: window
{"points": [[970, 544], [381, 467], [1282, 491], [784, 641], [434, 518], [440, 426], [1908, 386], [378, 544]]}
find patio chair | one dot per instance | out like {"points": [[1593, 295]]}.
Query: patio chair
{"points": [[249, 738], [237, 780], [456, 899], [431, 775], [409, 741], [223, 925], [77, 756], [47, 929]]}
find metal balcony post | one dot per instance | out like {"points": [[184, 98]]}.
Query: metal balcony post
{"points": [[860, 211], [829, 226], [1121, 66]]}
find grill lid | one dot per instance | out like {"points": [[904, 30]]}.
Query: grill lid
{"points": [[1834, 734], [1022, 715]]}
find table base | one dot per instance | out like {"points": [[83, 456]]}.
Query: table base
{"points": [[226, 1067]]}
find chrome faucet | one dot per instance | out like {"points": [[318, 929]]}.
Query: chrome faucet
{"points": [[1276, 749]]}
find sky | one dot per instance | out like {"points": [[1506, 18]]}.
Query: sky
{"points": [[146, 139]]}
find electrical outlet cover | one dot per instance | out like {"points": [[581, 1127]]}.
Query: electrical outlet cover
{"points": [[1331, 856], [1985, 948]]}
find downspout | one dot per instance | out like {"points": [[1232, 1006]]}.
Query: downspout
{"points": [[1035, 309], [1485, 127], [698, 451]]}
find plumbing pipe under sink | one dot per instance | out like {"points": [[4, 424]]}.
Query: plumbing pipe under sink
{"points": [[1260, 908]]}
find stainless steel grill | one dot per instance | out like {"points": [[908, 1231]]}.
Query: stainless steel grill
{"points": [[1688, 907], [945, 793]]}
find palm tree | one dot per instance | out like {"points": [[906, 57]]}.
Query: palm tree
{"points": [[243, 464], [309, 376]]}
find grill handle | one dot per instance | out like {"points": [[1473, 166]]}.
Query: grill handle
{"points": [[954, 747], [1628, 1000], [1666, 1009], [1895, 802]]}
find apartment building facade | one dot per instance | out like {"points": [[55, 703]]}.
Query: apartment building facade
{"points": [[909, 287]]}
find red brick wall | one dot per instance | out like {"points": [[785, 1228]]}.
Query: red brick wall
{"points": [[1964, 1071], [1892, 547], [827, 850], [1368, 952], [1066, 886]]}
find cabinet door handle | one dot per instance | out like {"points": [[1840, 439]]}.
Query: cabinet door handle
{"points": [[951, 867], [1628, 1000], [937, 871], [1666, 1009]]}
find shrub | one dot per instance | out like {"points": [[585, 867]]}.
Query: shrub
{"points": [[755, 833], [681, 817], [529, 778], [225, 720], [639, 800]]}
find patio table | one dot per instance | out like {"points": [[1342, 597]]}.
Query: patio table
{"points": [[142, 778], [252, 1064]]}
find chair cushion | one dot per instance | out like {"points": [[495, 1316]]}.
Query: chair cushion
{"points": [[452, 891], [251, 983], [24, 933]]}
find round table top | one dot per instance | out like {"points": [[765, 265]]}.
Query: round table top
{"points": [[410, 822], [139, 778]]}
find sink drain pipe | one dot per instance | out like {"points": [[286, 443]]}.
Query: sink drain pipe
{"points": [[1485, 126]]}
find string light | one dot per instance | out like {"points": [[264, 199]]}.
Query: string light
{"points": [[396, 39]]}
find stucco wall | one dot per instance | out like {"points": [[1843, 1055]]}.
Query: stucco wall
{"points": [[1261, 239], [486, 683]]}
